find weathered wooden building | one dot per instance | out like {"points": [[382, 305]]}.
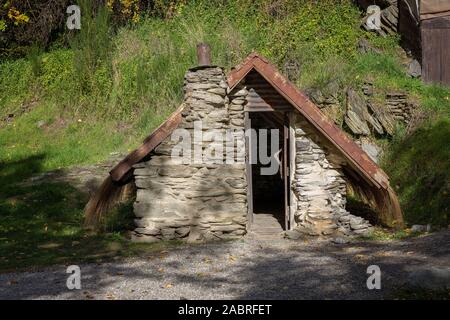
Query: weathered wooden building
{"points": [[424, 27], [435, 40], [222, 199]]}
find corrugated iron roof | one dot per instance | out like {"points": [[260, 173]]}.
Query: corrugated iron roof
{"points": [[350, 150], [150, 143]]}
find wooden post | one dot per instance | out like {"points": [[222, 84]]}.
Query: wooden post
{"points": [[248, 169], [286, 172], [203, 54], [292, 199]]}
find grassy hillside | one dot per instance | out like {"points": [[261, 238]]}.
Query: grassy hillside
{"points": [[108, 88]]}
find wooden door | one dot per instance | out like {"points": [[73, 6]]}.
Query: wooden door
{"points": [[436, 50]]}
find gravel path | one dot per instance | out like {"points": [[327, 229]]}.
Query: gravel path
{"points": [[246, 269]]}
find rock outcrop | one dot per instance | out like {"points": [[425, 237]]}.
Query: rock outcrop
{"points": [[365, 116], [388, 20]]}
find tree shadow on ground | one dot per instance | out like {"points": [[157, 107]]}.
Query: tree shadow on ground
{"points": [[41, 219], [18, 170], [247, 270]]}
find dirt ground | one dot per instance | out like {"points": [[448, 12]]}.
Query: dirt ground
{"points": [[247, 269]]}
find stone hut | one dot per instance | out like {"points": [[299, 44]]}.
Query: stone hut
{"points": [[216, 188]]}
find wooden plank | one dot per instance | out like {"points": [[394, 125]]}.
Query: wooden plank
{"points": [[248, 170], [286, 172], [426, 55], [445, 57], [432, 55], [292, 199], [436, 23], [265, 108], [435, 50]]}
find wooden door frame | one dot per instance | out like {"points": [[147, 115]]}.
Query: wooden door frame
{"points": [[286, 170], [292, 154], [248, 169]]}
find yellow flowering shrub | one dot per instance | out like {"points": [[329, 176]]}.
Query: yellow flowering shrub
{"points": [[132, 10], [127, 9], [10, 14], [17, 17]]}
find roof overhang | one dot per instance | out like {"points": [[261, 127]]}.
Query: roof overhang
{"points": [[356, 157]]}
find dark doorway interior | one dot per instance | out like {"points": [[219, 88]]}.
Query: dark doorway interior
{"points": [[268, 190]]}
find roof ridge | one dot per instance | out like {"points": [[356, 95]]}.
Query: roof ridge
{"points": [[307, 108]]}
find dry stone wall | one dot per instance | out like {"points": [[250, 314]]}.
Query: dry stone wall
{"points": [[320, 188], [400, 108], [196, 200]]}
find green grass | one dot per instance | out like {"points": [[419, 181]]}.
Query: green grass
{"points": [[380, 234], [420, 294], [42, 224], [64, 141], [419, 168]]}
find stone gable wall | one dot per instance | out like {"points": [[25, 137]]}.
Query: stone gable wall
{"points": [[319, 187], [196, 201]]}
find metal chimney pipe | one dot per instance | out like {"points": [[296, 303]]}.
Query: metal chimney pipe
{"points": [[203, 54]]}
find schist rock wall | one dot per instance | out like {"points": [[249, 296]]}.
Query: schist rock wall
{"points": [[196, 201], [320, 188]]}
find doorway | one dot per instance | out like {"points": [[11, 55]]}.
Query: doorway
{"points": [[268, 196]]}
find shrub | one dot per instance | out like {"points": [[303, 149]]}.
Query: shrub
{"points": [[91, 44], [420, 172]]}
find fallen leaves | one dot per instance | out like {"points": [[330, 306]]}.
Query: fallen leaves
{"points": [[207, 260], [111, 296], [361, 257], [88, 295], [201, 274], [384, 254], [163, 254], [50, 245]]}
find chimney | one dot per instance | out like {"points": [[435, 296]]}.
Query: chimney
{"points": [[203, 55]]}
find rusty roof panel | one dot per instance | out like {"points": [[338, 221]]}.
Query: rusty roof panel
{"points": [[151, 142], [356, 156]]}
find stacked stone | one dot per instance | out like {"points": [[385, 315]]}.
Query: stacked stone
{"points": [[399, 106], [320, 188], [364, 114], [327, 100], [193, 201], [360, 116], [388, 21], [237, 98]]}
